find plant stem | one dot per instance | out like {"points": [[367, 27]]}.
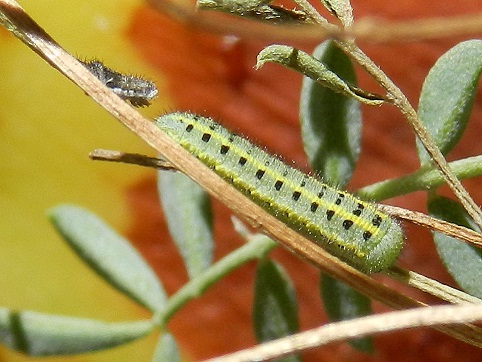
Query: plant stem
{"points": [[431, 286], [256, 248], [398, 99], [421, 180]]}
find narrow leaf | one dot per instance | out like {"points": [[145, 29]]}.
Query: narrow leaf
{"points": [[109, 254], [304, 63], [187, 210], [463, 262], [330, 121], [256, 10], [275, 310], [230, 6], [166, 349], [343, 302], [38, 334], [448, 94]]}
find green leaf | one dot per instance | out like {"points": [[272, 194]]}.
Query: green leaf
{"points": [[187, 210], [166, 349], [254, 9], [109, 254], [304, 63], [275, 310], [231, 6], [330, 121], [38, 334], [342, 302], [463, 262], [448, 94]]}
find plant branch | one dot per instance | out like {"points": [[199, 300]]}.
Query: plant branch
{"points": [[398, 99], [423, 179], [256, 248], [18, 22], [131, 158], [444, 227], [368, 29], [431, 286], [340, 331]]}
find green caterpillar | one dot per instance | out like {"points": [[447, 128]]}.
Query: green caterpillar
{"points": [[351, 229]]}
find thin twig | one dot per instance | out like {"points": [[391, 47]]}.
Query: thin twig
{"points": [[368, 29], [399, 100], [445, 227], [131, 158], [431, 286], [424, 179], [340, 331]]}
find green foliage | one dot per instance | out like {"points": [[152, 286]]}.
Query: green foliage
{"points": [[39, 334], [445, 103], [166, 349], [187, 210], [109, 254], [343, 302], [331, 130], [448, 95], [330, 121], [463, 261], [275, 310], [304, 63]]}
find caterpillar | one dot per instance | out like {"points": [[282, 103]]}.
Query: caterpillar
{"points": [[351, 229], [134, 89]]}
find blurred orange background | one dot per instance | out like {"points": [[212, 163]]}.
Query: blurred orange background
{"points": [[43, 165]]}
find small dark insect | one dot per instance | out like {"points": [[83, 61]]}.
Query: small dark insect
{"points": [[134, 89]]}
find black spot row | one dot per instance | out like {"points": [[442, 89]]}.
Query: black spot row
{"points": [[224, 149], [296, 195], [339, 199], [358, 210], [347, 224], [322, 192], [260, 174], [206, 137], [314, 206], [278, 184], [377, 220], [329, 214]]}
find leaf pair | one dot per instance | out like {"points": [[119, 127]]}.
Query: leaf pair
{"points": [[331, 130], [120, 265], [445, 105]]}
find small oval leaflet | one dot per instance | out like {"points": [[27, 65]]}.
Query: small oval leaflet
{"points": [[132, 88], [351, 229]]}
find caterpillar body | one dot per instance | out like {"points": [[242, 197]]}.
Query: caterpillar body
{"points": [[351, 229]]}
